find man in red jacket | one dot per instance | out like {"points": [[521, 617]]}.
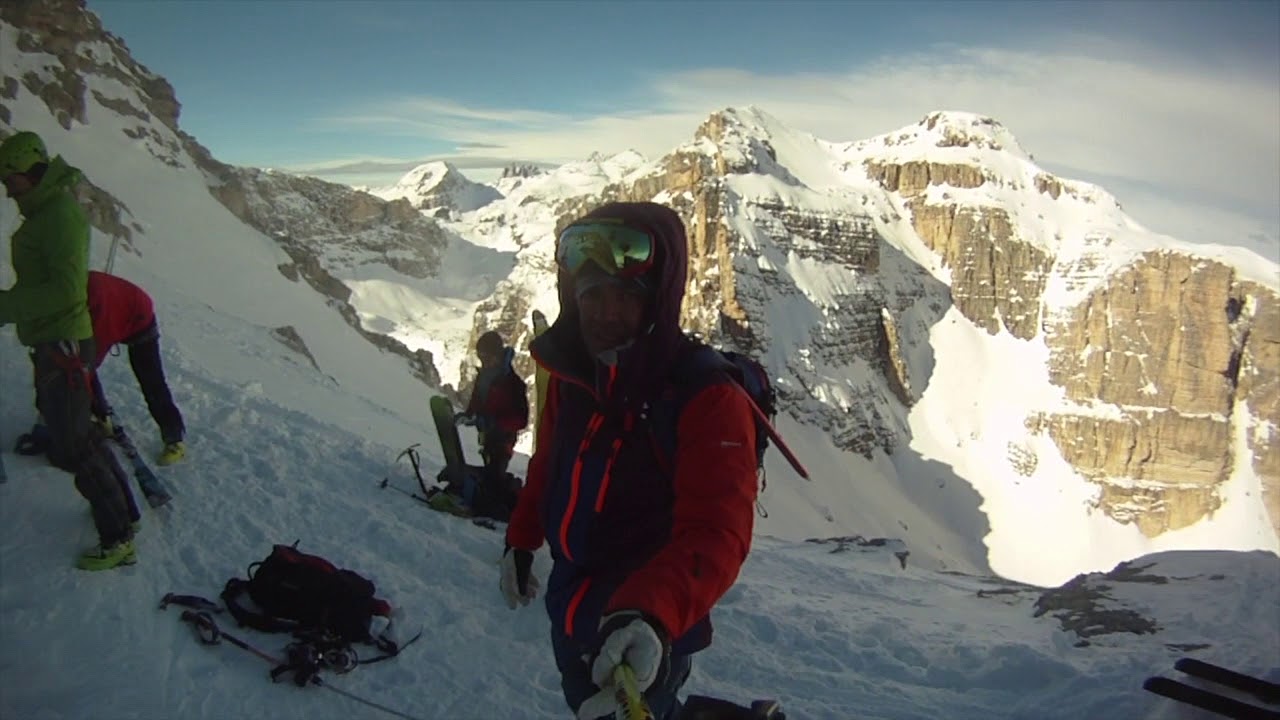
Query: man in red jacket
{"points": [[642, 545], [123, 313]]}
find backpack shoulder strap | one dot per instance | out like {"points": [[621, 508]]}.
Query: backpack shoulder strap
{"points": [[698, 367]]}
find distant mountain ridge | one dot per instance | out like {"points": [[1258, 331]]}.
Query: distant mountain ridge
{"points": [[953, 212]]}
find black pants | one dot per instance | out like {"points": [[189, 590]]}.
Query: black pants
{"points": [[144, 358], [62, 381], [497, 496]]}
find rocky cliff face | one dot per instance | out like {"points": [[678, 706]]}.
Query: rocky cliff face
{"points": [[1175, 345], [1168, 345], [522, 170], [324, 227], [342, 228]]}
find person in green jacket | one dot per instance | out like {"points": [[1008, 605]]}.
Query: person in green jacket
{"points": [[49, 304]]}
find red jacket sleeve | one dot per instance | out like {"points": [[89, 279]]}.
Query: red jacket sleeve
{"points": [[715, 493], [525, 530]]}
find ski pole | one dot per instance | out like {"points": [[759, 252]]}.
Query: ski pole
{"points": [[209, 633], [631, 704]]}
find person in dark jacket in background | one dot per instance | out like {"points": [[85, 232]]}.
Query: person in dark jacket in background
{"points": [[643, 546], [499, 410], [123, 313]]}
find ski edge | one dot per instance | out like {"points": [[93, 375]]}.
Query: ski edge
{"points": [[1207, 699], [1266, 691]]}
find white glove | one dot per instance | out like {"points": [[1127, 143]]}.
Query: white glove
{"points": [[518, 584], [626, 637]]}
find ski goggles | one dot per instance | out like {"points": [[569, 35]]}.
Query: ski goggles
{"points": [[615, 248]]}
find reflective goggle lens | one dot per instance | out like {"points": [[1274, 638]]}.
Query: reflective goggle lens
{"points": [[617, 249]]}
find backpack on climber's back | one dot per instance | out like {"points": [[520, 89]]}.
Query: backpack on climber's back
{"points": [[688, 377], [756, 382]]}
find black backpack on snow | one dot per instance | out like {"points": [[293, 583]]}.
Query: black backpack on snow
{"points": [[300, 593]]}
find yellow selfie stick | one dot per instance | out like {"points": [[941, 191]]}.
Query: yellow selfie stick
{"points": [[631, 704]]}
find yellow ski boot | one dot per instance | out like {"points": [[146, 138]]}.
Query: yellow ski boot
{"points": [[100, 558], [173, 452]]}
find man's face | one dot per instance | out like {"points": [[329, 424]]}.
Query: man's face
{"points": [[487, 359], [16, 184], [610, 316]]}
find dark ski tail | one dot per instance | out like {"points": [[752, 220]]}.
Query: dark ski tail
{"points": [[1208, 700], [1214, 693], [1267, 692], [154, 490], [446, 429]]}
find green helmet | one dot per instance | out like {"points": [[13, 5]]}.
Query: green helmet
{"points": [[20, 152]]}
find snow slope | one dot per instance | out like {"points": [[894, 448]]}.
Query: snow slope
{"points": [[835, 635]]}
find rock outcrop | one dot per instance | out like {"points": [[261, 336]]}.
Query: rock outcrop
{"points": [[1173, 344], [1167, 346]]}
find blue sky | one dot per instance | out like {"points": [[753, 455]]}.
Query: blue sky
{"points": [[1098, 91]]}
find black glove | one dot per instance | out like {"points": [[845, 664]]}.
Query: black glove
{"points": [[35, 442], [463, 419]]}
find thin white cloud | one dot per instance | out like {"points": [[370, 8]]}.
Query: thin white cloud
{"points": [[1083, 104], [432, 117]]}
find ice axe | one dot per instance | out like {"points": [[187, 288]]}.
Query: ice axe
{"points": [[631, 704]]}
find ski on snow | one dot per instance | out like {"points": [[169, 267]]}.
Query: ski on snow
{"points": [[1214, 700], [152, 488]]}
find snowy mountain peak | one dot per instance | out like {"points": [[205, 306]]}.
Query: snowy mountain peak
{"points": [[613, 166], [750, 141], [749, 120], [950, 135], [427, 176], [438, 188], [964, 129], [626, 160], [745, 127]]}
